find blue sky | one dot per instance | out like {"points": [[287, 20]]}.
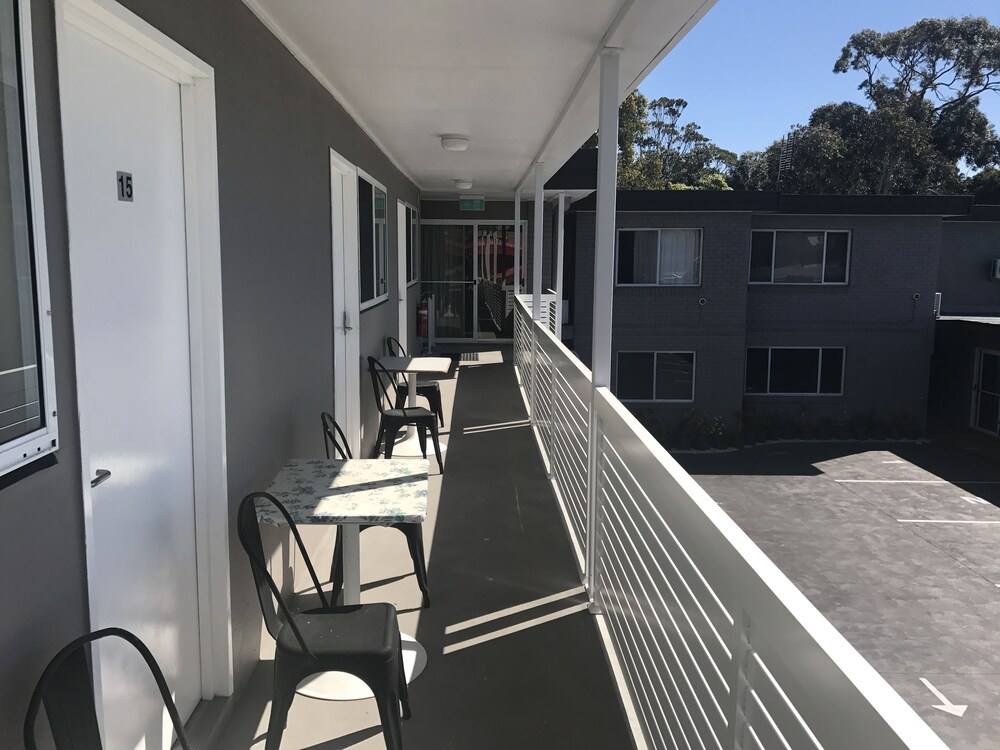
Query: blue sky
{"points": [[753, 68]]}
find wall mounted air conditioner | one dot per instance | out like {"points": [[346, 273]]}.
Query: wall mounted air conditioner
{"points": [[995, 270]]}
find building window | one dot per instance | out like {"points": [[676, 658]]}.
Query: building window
{"points": [[655, 376], [795, 371], [372, 243], [659, 257], [799, 257], [27, 390], [412, 263]]}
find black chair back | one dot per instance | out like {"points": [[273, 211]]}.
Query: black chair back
{"points": [[272, 604], [384, 384], [394, 348], [334, 438], [66, 691]]}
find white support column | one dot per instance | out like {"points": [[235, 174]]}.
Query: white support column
{"points": [[604, 261], [517, 242], [536, 244], [560, 244]]}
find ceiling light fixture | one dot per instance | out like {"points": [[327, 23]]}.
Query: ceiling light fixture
{"points": [[463, 184], [454, 142]]}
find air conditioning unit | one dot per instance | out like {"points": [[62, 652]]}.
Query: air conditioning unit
{"points": [[995, 270]]}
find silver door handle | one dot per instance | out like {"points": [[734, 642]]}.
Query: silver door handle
{"points": [[101, 475]]}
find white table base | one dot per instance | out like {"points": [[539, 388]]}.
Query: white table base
{"points": [[340, 686]]}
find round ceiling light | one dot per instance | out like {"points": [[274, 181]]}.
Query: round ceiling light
{"points": [[454, 142], [463, 184]]}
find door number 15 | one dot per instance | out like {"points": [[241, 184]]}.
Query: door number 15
{"points": [[125, 186]]}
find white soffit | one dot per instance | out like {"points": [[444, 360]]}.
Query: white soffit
{"points": [[518, 77]]}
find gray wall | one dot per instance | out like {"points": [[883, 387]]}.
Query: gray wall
{"points": [[888, 335], [275, 127], [673, 318], [967, 250]]}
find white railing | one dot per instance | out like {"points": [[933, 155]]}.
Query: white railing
{"points": [[716, 648]]}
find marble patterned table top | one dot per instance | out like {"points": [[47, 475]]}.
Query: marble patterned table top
{"points": [[421, 365], [363, 491]]}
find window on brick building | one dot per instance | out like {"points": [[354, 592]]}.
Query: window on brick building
{"points": [[799, 257], [655, 376], [795, 371], [659, 257]]}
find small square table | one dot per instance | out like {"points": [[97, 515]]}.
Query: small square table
{"points": [[413, 367], [350, 493]]}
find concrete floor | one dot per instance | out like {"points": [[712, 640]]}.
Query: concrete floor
{"points": [[899, 546], [532, 678]]}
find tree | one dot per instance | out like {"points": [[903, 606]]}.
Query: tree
{"points": [[655, 150], [922, 121], [985, 186]]}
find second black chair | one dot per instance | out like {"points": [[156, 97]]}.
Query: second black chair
{"points": [[429, 389], [392, 420], [362, 640], [337, 447]]}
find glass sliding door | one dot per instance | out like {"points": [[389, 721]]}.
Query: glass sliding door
{"points": [[986, 412], [447, 268], [469, 268]]}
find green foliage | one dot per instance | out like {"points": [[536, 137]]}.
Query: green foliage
{"points": [[985, 186], [923, 85], [655, 150]]}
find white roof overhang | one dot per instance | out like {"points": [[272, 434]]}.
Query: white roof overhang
{"points": [[519, 78]]}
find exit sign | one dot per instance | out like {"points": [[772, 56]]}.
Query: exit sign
{"points": [[472, 203]]}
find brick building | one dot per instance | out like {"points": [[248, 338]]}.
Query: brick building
{"points": [[791, 314]]}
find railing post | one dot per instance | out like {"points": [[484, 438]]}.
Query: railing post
{"points": [[517, 242], [560, 242], [604, 260], [536, 278]]}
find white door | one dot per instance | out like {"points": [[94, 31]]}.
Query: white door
{"points": [[346, 298], [123, 156], [986, 396], [403, 233]]}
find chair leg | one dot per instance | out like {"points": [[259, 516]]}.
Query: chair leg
{"points": [[378, 440], [286, 680], [388, 701], [422, 438], [415, 541], [337, 568], [437, 447], [439, 408], [391, 433], [404, 689]]}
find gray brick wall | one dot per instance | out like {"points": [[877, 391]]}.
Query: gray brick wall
{"points": [[967, 250], [887, 333]]}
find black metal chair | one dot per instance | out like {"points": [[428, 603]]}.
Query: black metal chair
{"points": [[66, 691], [393, 420], [337, 447], [428, 389], [362, 640]]}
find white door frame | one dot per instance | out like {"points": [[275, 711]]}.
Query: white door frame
{"points": [[403, 231], [346, 298], [109, 22]]}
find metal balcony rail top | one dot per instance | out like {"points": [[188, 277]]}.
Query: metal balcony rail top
{"points": [[713, 645]]}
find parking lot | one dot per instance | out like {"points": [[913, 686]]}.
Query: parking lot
{"points": [[898, 544]]}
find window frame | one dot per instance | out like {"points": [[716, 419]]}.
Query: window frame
{"points": [[774, 243], [414, 259], [658, 230], [44, 441], [819, 372], [378, 299], [655, 353]]}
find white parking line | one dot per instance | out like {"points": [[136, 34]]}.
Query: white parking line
{"points": [[910, 481], [935, 520]]}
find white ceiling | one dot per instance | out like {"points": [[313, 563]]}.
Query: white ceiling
{"points": [[518, 77]]}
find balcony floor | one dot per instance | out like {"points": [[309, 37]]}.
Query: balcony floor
{"points": [[495, 541]]}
